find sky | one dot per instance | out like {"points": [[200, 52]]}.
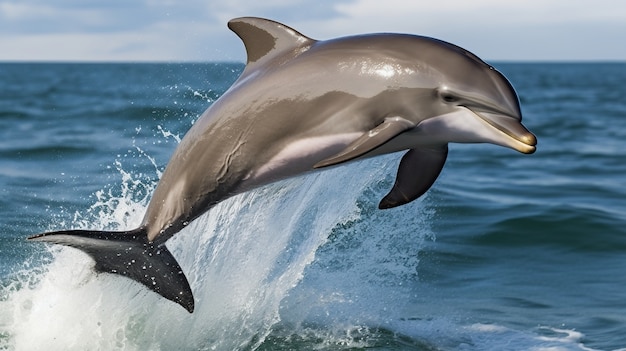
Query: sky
{"points": [[195, 30]]}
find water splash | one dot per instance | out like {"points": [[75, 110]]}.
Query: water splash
{"points": [[305, 263], [167, 134], [242, 260]]}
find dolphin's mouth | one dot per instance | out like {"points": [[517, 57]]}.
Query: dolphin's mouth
{"points": [[522, 139]]}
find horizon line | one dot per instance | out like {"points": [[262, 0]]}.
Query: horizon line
{"points": [[70, 61]]}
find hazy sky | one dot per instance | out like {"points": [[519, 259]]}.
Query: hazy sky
{"points": [[195, 30]]}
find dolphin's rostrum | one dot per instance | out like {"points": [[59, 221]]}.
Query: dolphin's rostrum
{"points": [[302, 104]]}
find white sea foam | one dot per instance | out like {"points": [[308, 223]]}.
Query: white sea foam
{"points": [[242, 259], [309, 257]]}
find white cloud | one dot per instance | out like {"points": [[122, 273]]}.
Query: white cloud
{"points": [[158, 43], [157, 30], [494, 29], [458, 14]]}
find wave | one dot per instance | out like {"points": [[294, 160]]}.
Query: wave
{"points": [[47, 151], [308, 263], [569, 227], [242, 259], [299, 264]]}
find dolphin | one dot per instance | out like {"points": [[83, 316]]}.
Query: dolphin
{"points": [[300, 105]]}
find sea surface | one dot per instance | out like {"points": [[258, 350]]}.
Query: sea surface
{"points": [[505, 252]]}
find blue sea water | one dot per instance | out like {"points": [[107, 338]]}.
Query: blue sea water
{"points": [[505, 252]]}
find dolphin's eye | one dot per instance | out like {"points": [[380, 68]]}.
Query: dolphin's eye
{"points": [[448, 97]]}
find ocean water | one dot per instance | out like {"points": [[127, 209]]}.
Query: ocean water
{"points": [[505, 252]]}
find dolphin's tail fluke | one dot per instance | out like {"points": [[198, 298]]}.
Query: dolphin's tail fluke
{"points": [[130, 255]]}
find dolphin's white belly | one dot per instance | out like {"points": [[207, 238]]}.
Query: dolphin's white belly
{"points": [[298, 157]]}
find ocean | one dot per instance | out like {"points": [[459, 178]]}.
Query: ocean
{"points": [[505, 252]]}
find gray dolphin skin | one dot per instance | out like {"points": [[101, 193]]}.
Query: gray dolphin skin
{"points": [[301, 105]]}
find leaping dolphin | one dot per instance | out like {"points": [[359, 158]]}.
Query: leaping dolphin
{"points": [[300, 105]]}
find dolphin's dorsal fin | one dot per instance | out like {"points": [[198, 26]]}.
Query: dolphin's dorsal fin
{"points": [[265, 39]]}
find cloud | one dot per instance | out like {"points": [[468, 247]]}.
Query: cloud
{"points": [[493, 29], [143, 30], [46, 18], [195, 30], [103, 30]]}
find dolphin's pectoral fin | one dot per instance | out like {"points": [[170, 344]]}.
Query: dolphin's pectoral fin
{"points": [[418, 171], [130, 255], [390, 128]]}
